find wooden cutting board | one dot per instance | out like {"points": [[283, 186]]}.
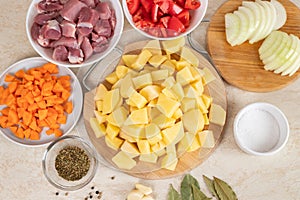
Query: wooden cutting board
{"points": [[187, 161], [240, 65]]}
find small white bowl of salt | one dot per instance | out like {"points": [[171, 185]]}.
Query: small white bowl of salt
{"points": [[261, 129]]}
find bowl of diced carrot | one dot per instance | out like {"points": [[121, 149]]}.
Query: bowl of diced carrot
{"points": [[39, 102]]}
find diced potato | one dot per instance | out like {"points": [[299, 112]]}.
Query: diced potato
{"points": [[127, 137], [154, 47], [99, 129], [184, 76], [178, 91], [137, 100], [172, 46], [130, 149], [110, 101], [158, 150], [201, 104], [206, 120], [117, 84], [208, 76], [166, 105], [118, 116], [206, 139], [139, 116], [150, 92], [112, 131], [186, 142], [144, 146], [135, 131], [188, 104], [99, 105], [152, 103], [197, 73], [180, 64], [217, 114], [189, 56], [207, 100], [190, 92], [159, 75], [157, 60], [144, 189], [169, 93], [163, 121], [101, 118], [169, 82], [126, 85], [193, 121], [154, 112], [112, 78], [195, 145], [141, 60], [171, 148], [121, 71], [170, 134], [142, 81], [151, 157], [168, 65], [135, 195], [101, 90], [151, 130], [178, 113], [198, 86], [129, 59], [114, 143], [169, 161], [123, 161]]}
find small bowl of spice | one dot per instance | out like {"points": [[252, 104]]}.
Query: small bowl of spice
{"points": [[69, 163], [261, 129]]}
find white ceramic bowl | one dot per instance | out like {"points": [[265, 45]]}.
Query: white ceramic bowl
{"points": [[261, 129], [196, 18], [47, 53]]}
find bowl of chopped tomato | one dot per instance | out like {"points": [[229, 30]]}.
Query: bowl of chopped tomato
{"points": [[164, 19]]}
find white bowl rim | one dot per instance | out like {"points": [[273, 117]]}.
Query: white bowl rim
{"points": [[110, 48], [254, 105], [204, 4]]}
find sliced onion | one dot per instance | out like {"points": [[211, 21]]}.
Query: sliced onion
{"points": [[267, 53], [281, 15], [243, 33], [232, 27]]}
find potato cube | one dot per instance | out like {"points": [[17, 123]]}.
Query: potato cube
{"points": [[112, 131], [112, 78], [142, 81], [121, 71], [123, 161], [99, 129], [208, 76], [114, 143], [189, 56], [129, 59], [193, 121], [141, 60], [111, 100], [206, 139], [172, 46], [101, 90], [169, 82], [169, 161], [130, 149], [139, 116], [184, 76], [168, 65], [144, 146], [157, 60], [137, 100], [151, 157], [178, 91], [158, 75], [167, 105], [154, 47], [217, 114], [150, 92]]}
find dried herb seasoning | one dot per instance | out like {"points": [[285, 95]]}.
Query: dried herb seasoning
{"points": [[72, 163]]}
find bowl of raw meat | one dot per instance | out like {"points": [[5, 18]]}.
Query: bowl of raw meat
{"points": [[164, 19], [74, 33]]}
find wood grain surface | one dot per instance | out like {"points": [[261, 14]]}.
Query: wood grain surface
{"points": [[187, 161], [241, 65]]}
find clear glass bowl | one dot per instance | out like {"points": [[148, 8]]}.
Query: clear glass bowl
{"points": [[49, 163]]}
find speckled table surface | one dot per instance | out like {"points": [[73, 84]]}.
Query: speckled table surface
{"points": [[274, 177]]}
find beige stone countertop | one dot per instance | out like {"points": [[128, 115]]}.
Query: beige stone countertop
{"points": [[275, 177]]}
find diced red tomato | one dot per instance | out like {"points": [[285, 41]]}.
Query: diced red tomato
{"points": [[133, 5], [165, 21], [192, 4], [184, 17], [147, 4], [154, 13], [162, 18], [176, 25], [175, 9]]}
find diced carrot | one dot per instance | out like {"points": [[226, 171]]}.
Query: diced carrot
{"points": [[12, 86], [20, 133], [27, 118], [50, 67], [29, 98], [37, 75], [33, 107], [5, 111], [65, 95], [57, 133], [33, 124], [12, 116], [68, 107], [20, 73], [3, 121], [13, 129], [42, 114], [49, 131], [10, 100], [34, 135], [4, 96], [20, 112], [23, 125], [42, 104], [24, 92], [38, 98], [62, 119], [28, 77], [59, 108], [19, 90], [54, 126], [42, 123], [58, 87], [36, 91], [9, 78], [27, 133]]}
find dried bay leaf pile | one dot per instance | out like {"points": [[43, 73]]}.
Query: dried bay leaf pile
{"points": [[190, 189]]}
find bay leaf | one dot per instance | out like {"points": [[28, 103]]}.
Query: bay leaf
{"points": [[224, 190], [198, 194], [173, 194], [186, 187], [210, 185]]}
